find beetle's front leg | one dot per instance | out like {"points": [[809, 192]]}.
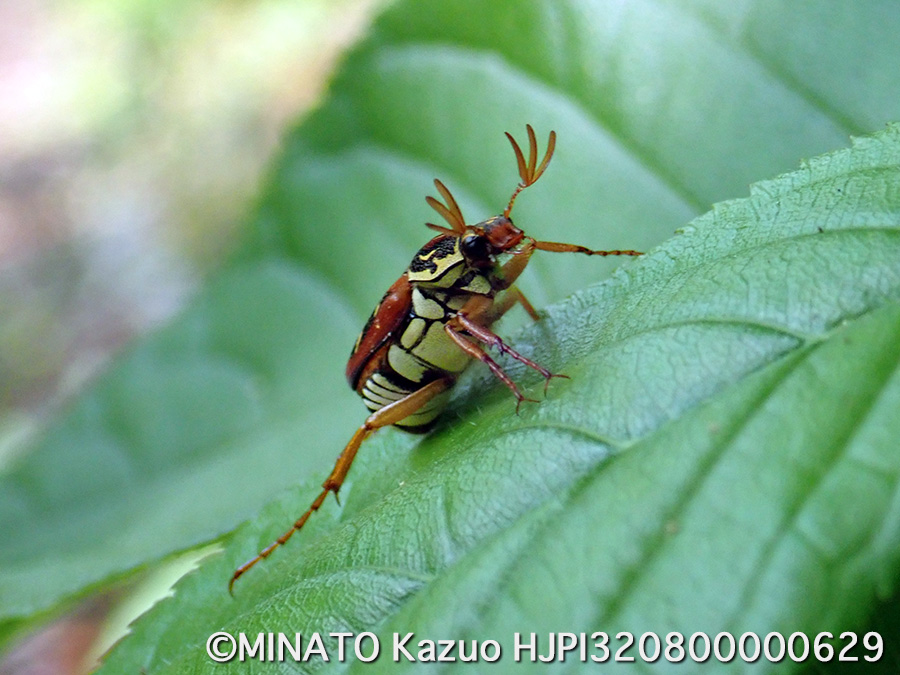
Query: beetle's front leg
{"points": [[557, 247], [384, 417], [513, 268]]}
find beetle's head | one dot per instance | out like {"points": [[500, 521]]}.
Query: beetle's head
{"points": [[481, 243]]}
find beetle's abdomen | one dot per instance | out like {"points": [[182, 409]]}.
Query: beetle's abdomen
{"points": [[405, 345], [385, 386], [421, 353]]}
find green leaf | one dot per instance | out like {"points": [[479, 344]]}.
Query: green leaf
{"points": [[661, 109], [723, 458]]}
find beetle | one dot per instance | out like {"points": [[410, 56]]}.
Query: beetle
{"points": [[436, 319]]}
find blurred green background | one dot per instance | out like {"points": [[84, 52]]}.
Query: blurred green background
{"points": [[133, 139]]}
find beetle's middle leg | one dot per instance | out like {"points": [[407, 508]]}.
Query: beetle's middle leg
{"points": [[504, 303], [454, 330], [464, 321], [473, 319]]}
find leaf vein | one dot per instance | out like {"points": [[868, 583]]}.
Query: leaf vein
{"points": [[838, 451]]}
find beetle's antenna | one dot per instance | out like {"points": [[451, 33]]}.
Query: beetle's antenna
{"points": [[442, 229], [450, 212], [529, 172]]}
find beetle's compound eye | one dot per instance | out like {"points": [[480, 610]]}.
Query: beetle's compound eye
{"points": [[476, 249]]}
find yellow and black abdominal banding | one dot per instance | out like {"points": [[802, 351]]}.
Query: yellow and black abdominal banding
{"points": [[436, 318]]}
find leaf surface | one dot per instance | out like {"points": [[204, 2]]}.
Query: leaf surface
{"points": [[722, 459]]}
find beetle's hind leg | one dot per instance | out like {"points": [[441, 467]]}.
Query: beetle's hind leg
{"points": [[384, 417]]}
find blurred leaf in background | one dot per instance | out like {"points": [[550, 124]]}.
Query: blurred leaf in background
{"points": [[132, 140]]}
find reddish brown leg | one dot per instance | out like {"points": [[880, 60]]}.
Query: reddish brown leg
{"points": [[514, 267], [386, 416], [477, 352], [519, 297], [574, 248], [491, 339], [493, 311]]}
